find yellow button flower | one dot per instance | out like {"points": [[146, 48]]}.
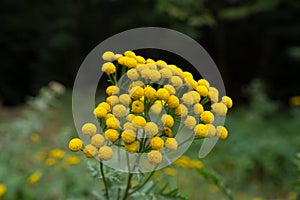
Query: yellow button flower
{"points": [[227, 101], [149, 60], [204, 82], [203, 91], [129, 117], [139, 121], [173, 102], [198, 109], [207, 117], [157, 143], [200, 130], [129, 125], [108, 56], [119, 110], [130, 62], [34, 178], [50, 161], [125, 99], [113, 123], [211, 130], [154, 75], [57, 153], [104, 105], [112, 100], [222, 132], [176, 81], [132, 147], [196, 96], [162, 94], [2, 189], [213, 94], [220, 109], [130, 54], [97, 140], [151, 129], [75, 144], [149, 92], [167, 120], [166, 73], [109, 115], [105, 153], [154, 157], [112, 90], [73, 160], [188, 99], [190, 122], [128, 136], [161, 63], [90, 151], [167, 132], [191, 82], [171, 144], [89, 129], [111, 135], [156, 109], [181, 110], [133, 74], [140, 59], [108, 68], [100, 112], [136, 92], [170, 89], [137, 107]]}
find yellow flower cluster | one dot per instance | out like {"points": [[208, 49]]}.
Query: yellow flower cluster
{"points": [[151, 88], [186, 162]]}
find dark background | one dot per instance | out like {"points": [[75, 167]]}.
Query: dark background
{"points": [[47, 40]]}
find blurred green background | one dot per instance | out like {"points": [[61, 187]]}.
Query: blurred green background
{"points": [[255, 44]]}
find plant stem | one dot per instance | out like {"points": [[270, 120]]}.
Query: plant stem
{"points": [[143, 184], [104, 181], [128, 186]]}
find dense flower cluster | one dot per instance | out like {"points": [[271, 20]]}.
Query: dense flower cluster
{"points": [[146, 104]]}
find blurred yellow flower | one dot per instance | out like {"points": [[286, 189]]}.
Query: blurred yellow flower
{"points": [[140, 59], [167, 131], [2, 189], [34, 178], [171, 144], [176, 81], [104, 105], [57, 153], [35, 137], [170, 171], [105, 153], [294, 101], [73, 160], [50, 161]]}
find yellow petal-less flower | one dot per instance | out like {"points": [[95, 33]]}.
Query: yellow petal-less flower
{"points": [[108, 56], [154, 157], [57, 153], [112, 90], [190, 122], [170, 89], [129, 125], [100, 112], [171, 144], [154, 75], [188, 99], [220, 109], [128, 136], [166, 73], [167, 132], [137, 107], [133, 74], [227, 101], [34, 178], [161, 63], [149, 92], [113, 123], [136, 92], [130, 62], [139, 121], [97, 140], [130, 54], [198, 109], [2, 189], [204, 82], [222, 132], [140, 59], [125, 99], [112, 100], [162, 94], [75, 144], [213, 94], [151, 129], [203, 91], [173, 102], [207, 117], [156, 109], [119, 111], [132, 147], [89, 129], [104, 105], [211, 130], [167, 120], [149, 60], [200, 130], [181, 110], [73, 160], [176, 81], [129, 117], [90, 151], [111, 135], [105, 153], [108, 68], [157, 143]]}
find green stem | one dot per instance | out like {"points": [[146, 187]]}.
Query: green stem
{"points": [[104, 181], [128, 186], [143, 184]]}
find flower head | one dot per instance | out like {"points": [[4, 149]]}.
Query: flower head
{"points": [[151, 129], [222, 132], [137, 107], [132, 147], [108, 68], [136, 92], [112, 90], [119, 110], [105, 153], [97, 140], [171, 144], [207, 117], [139, 121], [157, 143], [150, 92], [154, 157], [128, 136], [181, 110], [113, 123], [176, 81], [108, 56], [100, 112], [90, 151], [125, 99], [75, 144], [111, 135], [227, 101], [89, 129], [112, 100], [220, 109], [133, 74], [34, 178], [162, 94], [2, 189], [190, 122], [173, 102], [167, 120]]}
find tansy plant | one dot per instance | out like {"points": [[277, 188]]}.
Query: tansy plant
{"points": [[152, 112]]}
